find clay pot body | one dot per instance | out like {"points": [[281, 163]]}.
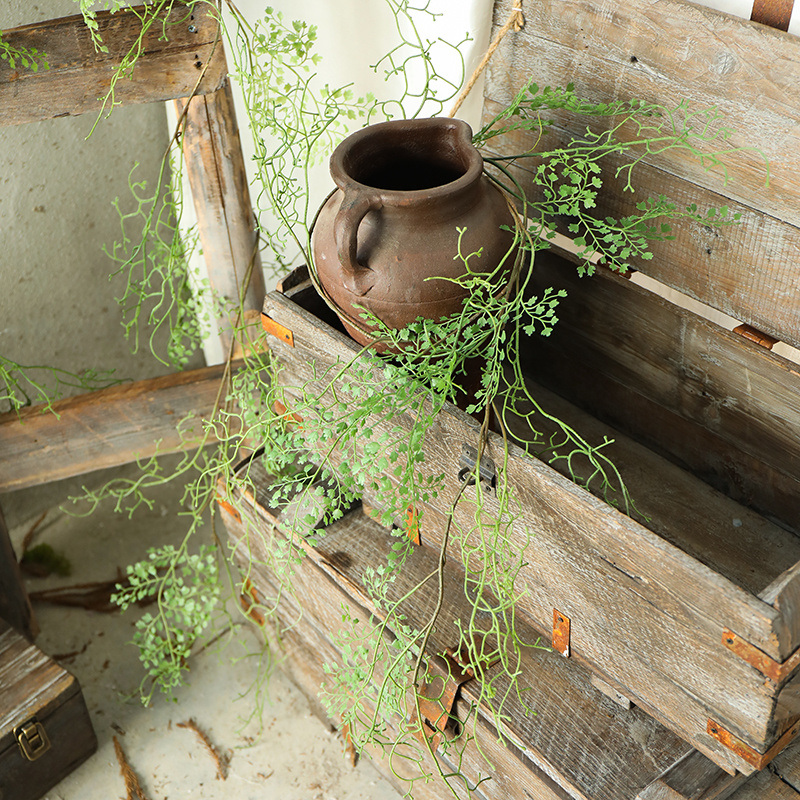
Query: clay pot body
{"points": [[405, 188]]}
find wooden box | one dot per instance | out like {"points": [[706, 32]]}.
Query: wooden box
{"points": [[45, 730]]}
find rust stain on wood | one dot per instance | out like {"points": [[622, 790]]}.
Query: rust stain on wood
{"points": [[561, 633], [775, 13], [776, 671], [751, 756], [277, 330], [754, 335]]}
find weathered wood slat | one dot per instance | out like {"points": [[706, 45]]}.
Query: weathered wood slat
{"points": [[665, 51], [684, 51], [613, 575], [106, 428], [606, 755], [724, 407], [693, 777], [80, 77], [15, 607], [225, 219]]}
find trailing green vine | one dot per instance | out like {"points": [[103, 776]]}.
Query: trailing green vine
{"points": [[27, 57], [360, 428]]}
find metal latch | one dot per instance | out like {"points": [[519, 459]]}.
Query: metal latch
{"points": [[487, 472], [32, 739]]}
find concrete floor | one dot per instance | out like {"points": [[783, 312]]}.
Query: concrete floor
{"points": [[284, 752]]}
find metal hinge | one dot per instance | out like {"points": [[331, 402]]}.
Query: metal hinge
{"points": [[32, 739], [487, 472]]}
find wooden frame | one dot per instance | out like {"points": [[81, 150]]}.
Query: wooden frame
{"points": [[189, 67]]}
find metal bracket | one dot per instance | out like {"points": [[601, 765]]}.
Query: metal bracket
{"points": [[226, 506], [751, 756], [776, 671], [487, 472], [277, 330], [290, 417], [32, 739], [249, 601], [436, 696], [411, 524], [561, 633], [754, 335]]}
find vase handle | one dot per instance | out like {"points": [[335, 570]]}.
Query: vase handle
{"points": [[355, 206]]}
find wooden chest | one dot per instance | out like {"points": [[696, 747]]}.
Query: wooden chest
{"points": [[688, 606], [45, 730]]}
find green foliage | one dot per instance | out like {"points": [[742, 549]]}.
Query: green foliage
{"points": [[360, 428], [295, 120], [27, 57], [186, 590], [42, 560], [153, 254], [24, 385], [568, 179]]}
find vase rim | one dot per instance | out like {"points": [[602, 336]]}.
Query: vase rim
{"points": [[460, 133]]}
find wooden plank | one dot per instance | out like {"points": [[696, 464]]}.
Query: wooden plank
{"points": [[611, 576], [106, 428], [727, 409], [787, 766], [609, 755], [748, 272], [80, 77], [215, 167], [665, 51], [15, 607], [765, 786], [693, 777]]}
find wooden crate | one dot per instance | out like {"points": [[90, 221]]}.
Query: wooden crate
{"points": [[690, 606], [651, 608], [581, 743], [45, 730]]}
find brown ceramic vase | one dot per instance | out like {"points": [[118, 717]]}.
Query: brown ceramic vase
{"points": [[382, 238]]}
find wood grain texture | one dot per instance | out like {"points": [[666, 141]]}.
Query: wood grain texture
{"points": [[220, 190], [15, 607], [625, 587], [693, 777], [665, 52], [723, 407], [80, 77], [31, 684], [106, 428], [610, 754]]}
